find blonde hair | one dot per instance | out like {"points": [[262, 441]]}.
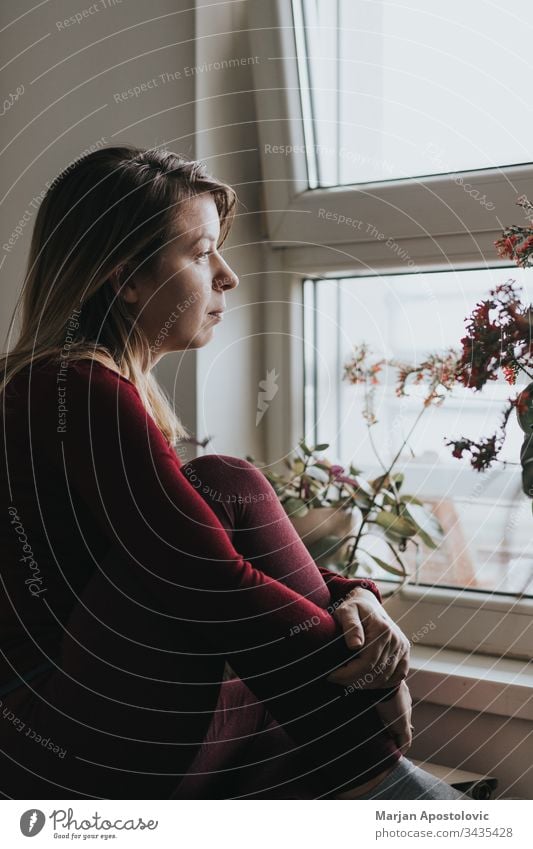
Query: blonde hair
{"points": [[114, 206]]}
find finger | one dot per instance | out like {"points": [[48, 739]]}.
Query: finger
{"points": [[365, 671], [374, 648], [350, 622], [400, 672], [380, 669], [396, 667]]}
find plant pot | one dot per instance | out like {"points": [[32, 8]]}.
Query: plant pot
{"points": [[323, 522]]}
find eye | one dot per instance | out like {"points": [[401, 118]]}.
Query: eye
{"points": [[204, 254]]}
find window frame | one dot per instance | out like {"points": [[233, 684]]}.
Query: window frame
{"points": [[464, 230], [303, 243]]}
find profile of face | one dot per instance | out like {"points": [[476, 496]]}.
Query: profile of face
{"points": [[176, 306]]}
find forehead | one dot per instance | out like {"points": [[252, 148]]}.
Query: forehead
{"points": [[198, 216]]}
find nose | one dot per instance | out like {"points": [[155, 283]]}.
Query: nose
{"points": [[225, 277]]}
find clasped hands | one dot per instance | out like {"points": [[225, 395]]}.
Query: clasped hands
{"points": [[382, 659]]}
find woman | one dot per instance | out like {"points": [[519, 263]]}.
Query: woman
{"points": [[131, 578]]}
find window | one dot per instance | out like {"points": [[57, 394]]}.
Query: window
{"points": [[457, 165], [413, 88], [372, 200], [486, 518]]}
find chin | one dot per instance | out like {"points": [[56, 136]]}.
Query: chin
{"points": [[199, 341]]}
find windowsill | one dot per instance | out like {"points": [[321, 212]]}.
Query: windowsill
{"points": [[475, 623], [501, 686]]}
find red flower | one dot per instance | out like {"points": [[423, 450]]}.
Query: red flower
{"points": [[509, 374]]}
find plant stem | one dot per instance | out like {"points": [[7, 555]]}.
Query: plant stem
{"points": [[387, 472], [382, 464]]}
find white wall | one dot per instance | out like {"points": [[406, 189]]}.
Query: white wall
{"points": [[230, 368]]}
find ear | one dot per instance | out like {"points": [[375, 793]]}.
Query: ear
{"points": [[125, 284]]}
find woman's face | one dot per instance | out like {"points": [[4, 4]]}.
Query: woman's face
{"points": [[173, 306]]}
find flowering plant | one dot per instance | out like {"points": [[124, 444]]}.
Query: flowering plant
{"points": [[498, 340], [385, 514], [516, 242]]}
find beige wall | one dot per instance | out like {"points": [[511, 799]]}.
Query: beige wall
{"points": [[84, 68], [230, 368], [479, 742]]}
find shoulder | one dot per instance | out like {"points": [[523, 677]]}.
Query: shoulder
{"points": [[50, 378], [84, 370], [93, 371]]}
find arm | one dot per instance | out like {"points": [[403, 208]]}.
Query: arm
{"points": [[382, 648], [180, 561], [339, 586], [116, 459]]}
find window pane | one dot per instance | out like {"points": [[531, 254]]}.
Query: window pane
{"points": [[487, 519], [414, 88]]}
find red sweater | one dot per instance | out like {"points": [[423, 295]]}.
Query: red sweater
{"points": [[83, 468]]}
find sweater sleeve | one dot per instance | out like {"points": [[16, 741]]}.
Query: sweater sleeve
{"points": [[339, 586], [116, 459]]}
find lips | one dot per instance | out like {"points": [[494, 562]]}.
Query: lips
{"points": [[217, 313]]}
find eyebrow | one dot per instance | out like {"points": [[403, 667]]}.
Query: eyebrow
{"points": [[199, 238]]}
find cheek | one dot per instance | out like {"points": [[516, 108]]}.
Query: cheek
{"points": [[190, 290], [190, 318], [192, 303]]}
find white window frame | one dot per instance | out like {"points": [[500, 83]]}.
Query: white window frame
{"points": [[463, 231], [303, 242]]}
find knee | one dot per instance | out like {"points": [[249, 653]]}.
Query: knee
{"points": [[235, 479], [220, 470], [220, 462]]}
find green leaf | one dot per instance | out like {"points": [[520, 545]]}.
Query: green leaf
{"points": [[387, 566], [382, 482], [362, 502], [397, 525], [398, 479], [396, 556], [351, 570], [427, 525], [295, 507], [365, 486], [307, 451], [410, 499], [321, 447], [325, 546]]}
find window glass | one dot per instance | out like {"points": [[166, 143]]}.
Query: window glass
{"points": [[486, 517], [403, 89]]}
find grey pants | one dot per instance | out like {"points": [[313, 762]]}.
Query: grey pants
{"points": [[407, 781]]}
